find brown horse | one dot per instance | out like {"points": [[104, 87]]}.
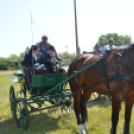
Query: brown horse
{"points": [[119, 89]]}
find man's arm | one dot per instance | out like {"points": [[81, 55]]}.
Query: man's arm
{"points": [[27, 60], [47, 58], [59, 58]]}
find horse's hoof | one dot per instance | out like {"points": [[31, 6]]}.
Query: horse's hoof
{"points": [[126, 132], [111, 131], [85, 127], [82, 131]]}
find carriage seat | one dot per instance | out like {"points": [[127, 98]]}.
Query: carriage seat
{"points": [[19, 74]]}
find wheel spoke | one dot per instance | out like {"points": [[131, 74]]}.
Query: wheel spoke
{"points": [[21, 114]]}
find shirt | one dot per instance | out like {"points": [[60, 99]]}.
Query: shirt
{"points": [[53, 57], [108, 47], [98, 52], [42, 47], [35, 56]]}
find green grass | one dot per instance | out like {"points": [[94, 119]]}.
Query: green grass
{"points": [[99, 117]]}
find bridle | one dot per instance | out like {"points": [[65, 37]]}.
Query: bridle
{"points": [[117, 76], [130, 59]]}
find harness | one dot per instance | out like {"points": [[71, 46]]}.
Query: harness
{"points": [[102, 66]]}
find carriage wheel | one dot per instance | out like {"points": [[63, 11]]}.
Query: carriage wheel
{"points": [[94, 97], [12, 99], [68, 105], [21, 114]]}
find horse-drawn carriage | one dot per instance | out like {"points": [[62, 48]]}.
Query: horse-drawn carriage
{"points": [[45, 88], [112, 75], [22, 105]]}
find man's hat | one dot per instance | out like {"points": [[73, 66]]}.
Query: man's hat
{"points": [[44, 36], [52, 48], [97, 44], [34, 47]]}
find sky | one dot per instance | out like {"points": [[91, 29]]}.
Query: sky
{"points": [[55, 18]]}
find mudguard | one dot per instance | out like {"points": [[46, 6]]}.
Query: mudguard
{"points": [[14, 80]]}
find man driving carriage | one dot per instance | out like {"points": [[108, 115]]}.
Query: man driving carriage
{"points": [[48, 63], [33, 57]]}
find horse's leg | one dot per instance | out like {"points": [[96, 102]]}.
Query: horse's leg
{"points": [[116, 103], [77, 110], [84, 98], [129, 105]]}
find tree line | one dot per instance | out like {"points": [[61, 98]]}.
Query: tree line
{"points": [[5, 63], [119, 40]]}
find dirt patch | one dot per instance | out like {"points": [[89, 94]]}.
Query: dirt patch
{"points": [[6, 72]]}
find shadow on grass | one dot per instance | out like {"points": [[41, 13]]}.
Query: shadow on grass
{"points": [[102, 102], [41, 124]]}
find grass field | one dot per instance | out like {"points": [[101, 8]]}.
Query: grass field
{"points": [[99, 117]]}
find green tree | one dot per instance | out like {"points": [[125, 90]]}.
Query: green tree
{"points": [[67, 57], [119, 40], [4, 64]]}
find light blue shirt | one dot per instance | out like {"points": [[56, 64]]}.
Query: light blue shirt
{"points": [[98, 52], [35, 57], [42, 47]]}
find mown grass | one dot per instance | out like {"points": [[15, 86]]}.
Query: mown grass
{"points": [[99, 117]]}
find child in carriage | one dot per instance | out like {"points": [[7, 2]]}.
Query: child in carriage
{"points": [[51, 60]]}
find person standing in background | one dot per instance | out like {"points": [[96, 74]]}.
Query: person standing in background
{"points": [[110, 45], [98, 49]]}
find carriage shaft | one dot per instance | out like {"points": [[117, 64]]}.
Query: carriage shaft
{"points": [[73, 75]]}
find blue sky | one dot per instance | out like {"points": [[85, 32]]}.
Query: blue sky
{"points": [[55, 18]]}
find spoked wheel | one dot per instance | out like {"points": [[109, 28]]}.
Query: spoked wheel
{"points": [[21, 114], [12, 99], [94, 97], [68, 105]]}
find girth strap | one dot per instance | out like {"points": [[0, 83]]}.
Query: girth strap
{"points": [[119, 77], [102, 67]]}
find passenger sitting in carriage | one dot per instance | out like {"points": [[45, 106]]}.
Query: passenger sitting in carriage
{"points": [[44, 45], [98, 49], [37, 57], [51, 60]]}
